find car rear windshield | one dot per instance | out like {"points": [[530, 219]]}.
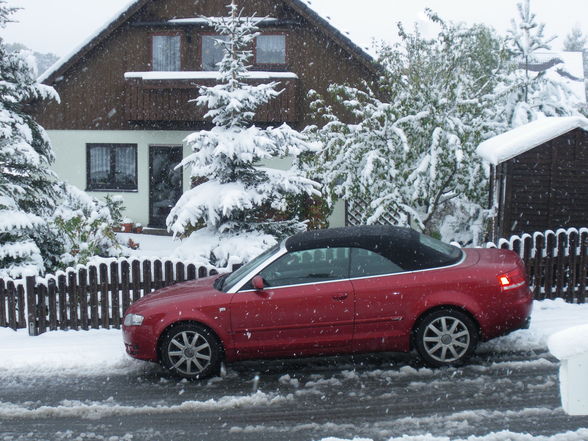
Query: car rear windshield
{"points": [[434, 253]]}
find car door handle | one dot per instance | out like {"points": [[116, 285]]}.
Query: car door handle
{"points": [[342, 296]]}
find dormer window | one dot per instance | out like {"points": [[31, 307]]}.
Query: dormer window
{"points": [[212, 51], [166, 53], [270, 49]]}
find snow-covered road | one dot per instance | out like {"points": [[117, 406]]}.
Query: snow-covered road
{"points": [[81, 386]]}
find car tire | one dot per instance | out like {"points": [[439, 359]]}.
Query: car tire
{"points": [[191, 351], [446, 337]]}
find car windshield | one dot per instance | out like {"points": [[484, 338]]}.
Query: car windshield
{"points": [[235, 276]]}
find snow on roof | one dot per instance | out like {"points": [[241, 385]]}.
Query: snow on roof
{"points": [[206, 75], [568, 70], [57, 65], [326, 12], [206, 20], [514, 142]]}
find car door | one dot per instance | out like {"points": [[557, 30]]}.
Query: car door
{"points": [[306, 308], [382, 291]]}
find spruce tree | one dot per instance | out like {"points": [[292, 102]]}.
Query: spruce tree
{"points": [[575, 41], [26, 183], [233, 195], [532, 93]]}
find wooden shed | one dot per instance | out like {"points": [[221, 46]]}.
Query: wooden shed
{"points": [[539, 176]]}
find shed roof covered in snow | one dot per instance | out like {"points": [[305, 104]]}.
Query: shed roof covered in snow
{"points": [[524, 138]]}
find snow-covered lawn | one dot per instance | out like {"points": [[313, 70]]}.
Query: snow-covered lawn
{"points": [[228, 249], [150, 245], [101, 352]]}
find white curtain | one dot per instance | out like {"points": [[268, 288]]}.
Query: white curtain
{"points": [[99, 164], [212, 51], [166, 52], [271, 49], [126, 166]]}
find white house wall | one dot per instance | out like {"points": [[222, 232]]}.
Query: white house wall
{"points": [[70, 164]]}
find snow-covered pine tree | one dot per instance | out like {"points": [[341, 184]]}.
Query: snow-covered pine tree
{"points": [[409, 157], [532, 93], [26, 196], [235, 197], [576, 41]]}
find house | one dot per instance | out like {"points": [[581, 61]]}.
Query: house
{"points": [[125, 92], [539, 176]]}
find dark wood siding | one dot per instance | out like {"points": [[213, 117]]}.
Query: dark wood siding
{"points": [[170, 101], [96, 96], [547, 187]]}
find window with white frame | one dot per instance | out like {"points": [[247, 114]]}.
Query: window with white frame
{"points": [[212, 51], [270, 49], [166, 52]]}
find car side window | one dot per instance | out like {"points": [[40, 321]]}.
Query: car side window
{"points": [[369, 263], [308, 266]]}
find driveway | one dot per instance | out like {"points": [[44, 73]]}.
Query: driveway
{"points": [[374, 396]]}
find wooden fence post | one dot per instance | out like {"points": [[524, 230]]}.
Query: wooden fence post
{"points": [[125, 278], [104, 303], [12, 305], [62, 287], [114, 295], [583, 267], [3, 298], [31, 305], [22, 307]]}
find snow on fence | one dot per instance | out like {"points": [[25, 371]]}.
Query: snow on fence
{"points": [[556, 262], [92, 296]]}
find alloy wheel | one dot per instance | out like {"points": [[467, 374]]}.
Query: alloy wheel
{"points": [[446, 339], [189, 353]]}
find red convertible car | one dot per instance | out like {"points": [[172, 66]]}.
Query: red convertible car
{"points": [[342, 290]]}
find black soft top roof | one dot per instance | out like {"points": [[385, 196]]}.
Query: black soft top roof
{"points": [[371, 237], [401, 245]]}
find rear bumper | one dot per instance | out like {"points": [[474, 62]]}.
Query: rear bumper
{"points": [[515, 314]]}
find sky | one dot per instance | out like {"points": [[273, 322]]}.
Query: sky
{"points": [[59, 26]]}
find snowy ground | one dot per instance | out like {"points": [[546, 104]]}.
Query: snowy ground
{"points": [[80, 385], [150, 245], [101, 352]]}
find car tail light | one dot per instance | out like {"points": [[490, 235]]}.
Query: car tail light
{"points": [[512, 280]]}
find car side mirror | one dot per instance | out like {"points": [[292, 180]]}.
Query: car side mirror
{"points": [[258, 283]]}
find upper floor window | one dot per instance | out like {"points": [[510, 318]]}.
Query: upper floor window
{"points": [[166, 52], [112, 166], [270, 49], [212, 51]]}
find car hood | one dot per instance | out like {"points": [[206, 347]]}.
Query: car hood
{"points": [[199, 292]]}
